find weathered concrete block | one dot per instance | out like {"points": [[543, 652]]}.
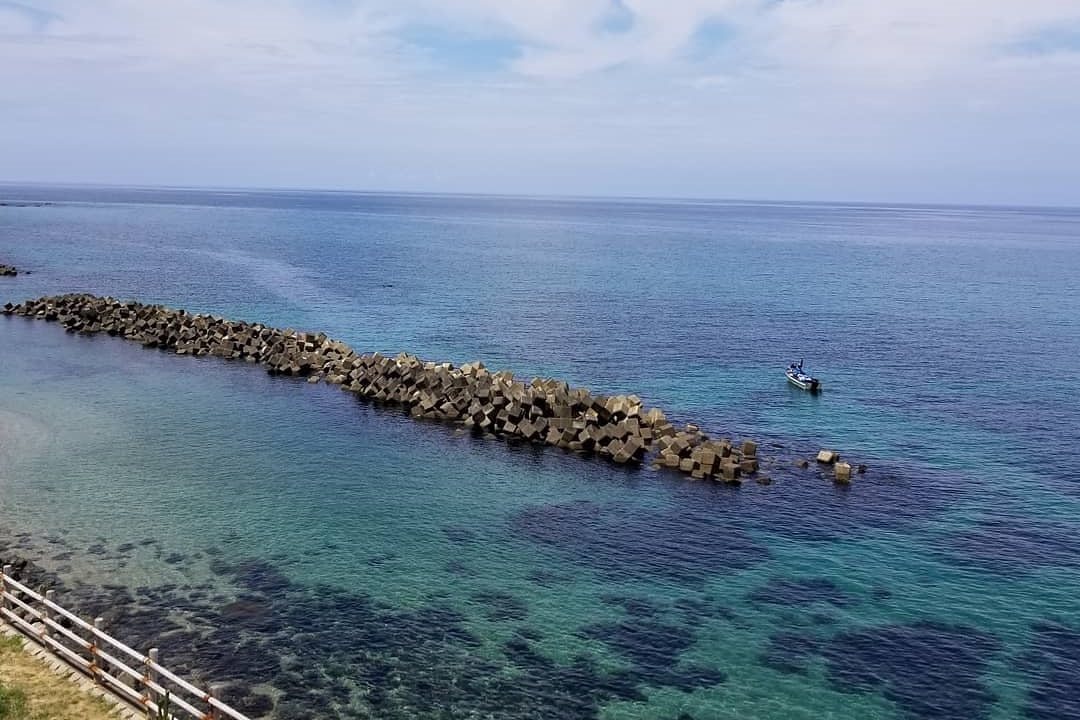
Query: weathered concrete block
{"points": [[749, 448], [634, 446], [664, 429], [654, 417], [827, 456], [842, 472]]}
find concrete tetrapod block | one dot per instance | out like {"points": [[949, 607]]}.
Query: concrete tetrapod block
{"points": [[828, 456], [708, 460], [842, 472], [634, 446]]}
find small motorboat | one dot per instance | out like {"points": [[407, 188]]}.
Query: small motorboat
{"points": [[800, 379]]}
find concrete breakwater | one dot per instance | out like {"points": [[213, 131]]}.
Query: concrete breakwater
{"points": [[543, 411]]}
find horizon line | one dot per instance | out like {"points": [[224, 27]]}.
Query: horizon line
{"points": [[527, 196]]}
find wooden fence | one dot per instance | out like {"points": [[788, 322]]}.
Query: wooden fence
{"points": [[138, 679]]}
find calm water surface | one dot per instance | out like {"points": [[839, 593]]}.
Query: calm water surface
{"points": [[333, 559]]}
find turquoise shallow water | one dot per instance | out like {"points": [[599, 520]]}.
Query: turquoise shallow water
{"points": [[388, 568]]}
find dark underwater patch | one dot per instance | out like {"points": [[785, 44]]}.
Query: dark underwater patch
{"points": [[251, 613], [808, 505], [254, 575], [930, 670], [653, 647], [802, 591], [336, 654], [645, 642], [790, 652], [249, 703], [1014, 546], [1053, 664], [619, 542]]}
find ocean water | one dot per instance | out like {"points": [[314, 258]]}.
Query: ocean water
{"points": [[329, 558]]}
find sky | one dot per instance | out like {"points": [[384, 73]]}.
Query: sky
{"points": [[966, 101]]}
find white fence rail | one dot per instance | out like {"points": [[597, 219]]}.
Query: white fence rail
{"points": [[136, 678]]}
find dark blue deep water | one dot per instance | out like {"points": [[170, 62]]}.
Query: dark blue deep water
{"points": [[329, 558]]}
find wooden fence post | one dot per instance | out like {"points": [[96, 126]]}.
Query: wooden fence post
{"points": [[95, 649], [151, 676], [3, 584], [47, 611]]}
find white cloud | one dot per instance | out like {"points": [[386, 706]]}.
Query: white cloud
{"points": [[15, 21], [796, 98]]}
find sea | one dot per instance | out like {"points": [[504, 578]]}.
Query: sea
{"points": [[324, 557]]}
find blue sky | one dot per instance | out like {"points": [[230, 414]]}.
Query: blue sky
{"points": [[913, 101]]}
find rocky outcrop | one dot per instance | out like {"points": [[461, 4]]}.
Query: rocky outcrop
{"points": [[543, 411], [8, 270]]}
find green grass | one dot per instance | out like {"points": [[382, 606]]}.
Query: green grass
{"points": [[12, 703], [12, 700], [8, 643]]}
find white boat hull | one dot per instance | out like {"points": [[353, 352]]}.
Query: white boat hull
{"points": [[805, 383]]}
